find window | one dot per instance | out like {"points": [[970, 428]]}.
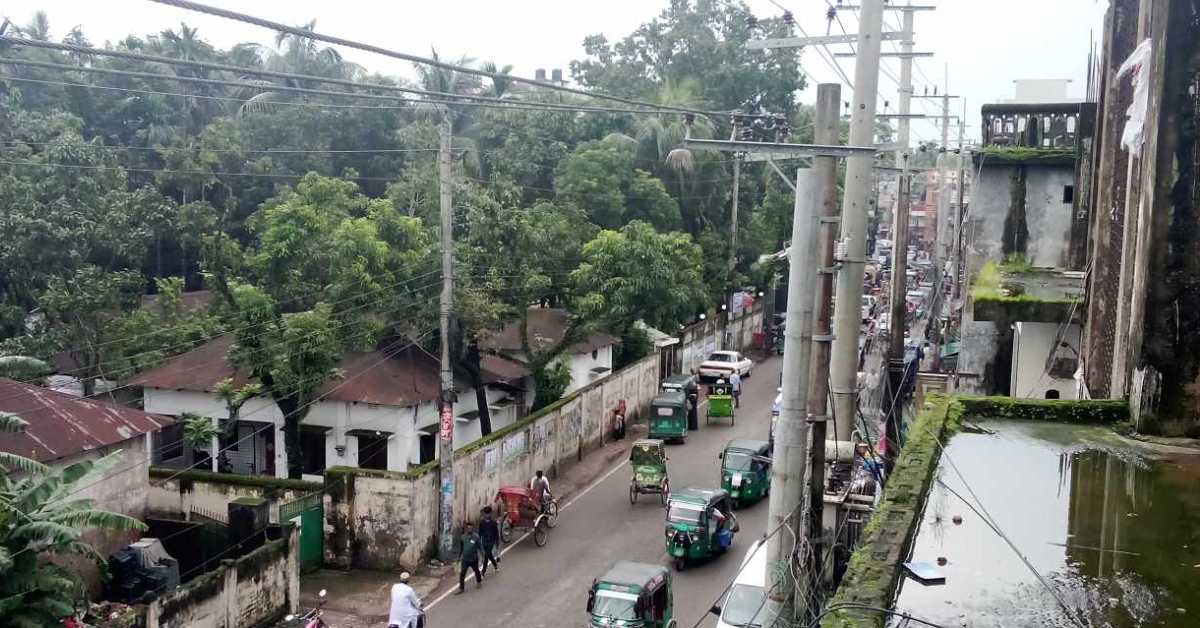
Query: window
{"points": [[372, 452], [428, 445], [595, 353], [660, 603], [1053, 394], [1068, 194], [312, 449], [744, 605], [168, 443]]}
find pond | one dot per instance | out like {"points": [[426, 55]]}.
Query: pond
{"points": [[1110, 524]]}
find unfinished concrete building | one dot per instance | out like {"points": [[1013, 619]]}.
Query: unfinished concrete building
{"points": [[1142, 331]]}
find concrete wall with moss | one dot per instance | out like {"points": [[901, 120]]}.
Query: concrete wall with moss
{"points": [[175, 493], [874, 570], [389, 520], [253, 591]]}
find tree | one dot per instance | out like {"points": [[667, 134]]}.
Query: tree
{"points": [[40, 519], [80, 309], [600, 178], [639, 274], [704, 39], [331, 270]]}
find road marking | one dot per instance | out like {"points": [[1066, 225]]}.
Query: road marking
{"points": [[620, 465]]}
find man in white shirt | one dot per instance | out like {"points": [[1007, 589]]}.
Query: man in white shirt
{"points": [[735, 386], [406, 606]]}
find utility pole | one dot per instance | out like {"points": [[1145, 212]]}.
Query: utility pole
{"points": [[733, 232], [960, 213], [899, 288], [826, 131], [790, 456], [446, 307], [855, 205]]}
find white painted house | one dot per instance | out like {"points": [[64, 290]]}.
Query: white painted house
{"points": [[381, 413], [590, 359]]}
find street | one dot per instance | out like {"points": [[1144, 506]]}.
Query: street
{"points": [[548, 586]]}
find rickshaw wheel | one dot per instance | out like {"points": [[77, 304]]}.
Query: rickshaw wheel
{"points": [[552, 513], [633, 493], [505, 530], [679, 564], [541, 533]]}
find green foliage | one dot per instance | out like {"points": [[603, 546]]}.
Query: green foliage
{"points": [[198, 431], [635, 345], [1105, 411], [1027, 154], [23, 368], [600, 178], [638, 273], [143, 338], [39, 519], [551, 382]]}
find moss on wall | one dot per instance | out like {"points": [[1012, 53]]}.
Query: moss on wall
{"points": [[1029, 154], [255, 481], [1024, 308], [1105, 411], [874, 567]]}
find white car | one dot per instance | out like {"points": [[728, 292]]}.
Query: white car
{"points": [[722, 364]]}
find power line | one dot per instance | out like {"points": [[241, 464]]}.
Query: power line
{"points": [[339, 41], [205, 149], [449, 99]]}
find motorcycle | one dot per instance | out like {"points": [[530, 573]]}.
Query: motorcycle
{"points": [[311, 619]]}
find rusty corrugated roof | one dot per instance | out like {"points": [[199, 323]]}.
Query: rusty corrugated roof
{"points": [[546, 328], [377, 377], [61, 425]]}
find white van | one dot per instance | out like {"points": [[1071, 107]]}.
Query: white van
{"points": [[745, 605]]}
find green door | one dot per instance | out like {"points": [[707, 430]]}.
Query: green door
{"points": [[308, 513]]}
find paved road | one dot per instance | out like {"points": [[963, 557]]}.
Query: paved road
{"points": [[544, 587]]}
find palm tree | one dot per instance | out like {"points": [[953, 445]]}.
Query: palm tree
{"points": [[502, 84], [294, 54], [38, 519], [185, 45], [38, 28]]}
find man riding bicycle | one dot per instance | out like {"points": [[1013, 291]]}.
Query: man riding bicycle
{"points": [[540, 487]]}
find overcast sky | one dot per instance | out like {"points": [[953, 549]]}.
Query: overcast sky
{"points": [[986, 45]]}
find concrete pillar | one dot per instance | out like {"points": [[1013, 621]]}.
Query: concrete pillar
{"points": [[229, 595], [293, 568], [281, 467]]}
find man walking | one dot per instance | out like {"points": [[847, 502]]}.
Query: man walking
{"points": [[735, 386], [468, 557], [489, 540], [406, 606]]}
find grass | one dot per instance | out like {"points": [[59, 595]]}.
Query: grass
{"points": [[1028, 153]]}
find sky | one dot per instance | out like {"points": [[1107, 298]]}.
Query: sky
{"points": [[982, 45]]}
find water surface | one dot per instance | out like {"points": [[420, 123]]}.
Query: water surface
{"points": [[1112, 526]]}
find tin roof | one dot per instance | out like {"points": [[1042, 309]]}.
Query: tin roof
{"points": [[378, 377], [547, 326], [704, 496], [61, 425], [748, 445]]}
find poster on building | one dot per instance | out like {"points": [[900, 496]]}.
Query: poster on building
{"points": [[491, 459]]}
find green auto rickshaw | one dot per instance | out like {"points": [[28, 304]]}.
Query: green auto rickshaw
{"points": [[689, 385], [648, 457], [631, 595], [746, 470], [700, 524], [721, 404], [668, 416]]}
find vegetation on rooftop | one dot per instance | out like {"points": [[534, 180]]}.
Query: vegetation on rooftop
{"points": [[1028, 153]]}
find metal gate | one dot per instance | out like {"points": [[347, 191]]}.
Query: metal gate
{"points": [[308, 513]]}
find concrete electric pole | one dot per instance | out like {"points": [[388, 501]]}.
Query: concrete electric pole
{"points": [[855, 205], [445, 309], [827, 130], [790, 455]]}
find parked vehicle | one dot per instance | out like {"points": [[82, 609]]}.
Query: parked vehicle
{"points": [[519, 509], [312, 619], [700, 524], [668, 416], [631, 594], [689, 386], [721, 364], [648, 458], [746, 470], [743, 605]]}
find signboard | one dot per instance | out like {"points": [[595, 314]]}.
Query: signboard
{"points": [[447, 428]]}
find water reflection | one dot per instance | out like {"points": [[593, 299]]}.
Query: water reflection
{"points": [[1115, 530]]}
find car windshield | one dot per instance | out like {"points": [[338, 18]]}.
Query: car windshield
{"points": [[720, 357], [615, 605], [684, 513], [744, 606], [737, 460]]}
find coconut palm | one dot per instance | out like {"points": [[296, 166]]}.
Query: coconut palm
{"points": [[38, 28], [294, 54], [501, 84], [39, 518]]}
